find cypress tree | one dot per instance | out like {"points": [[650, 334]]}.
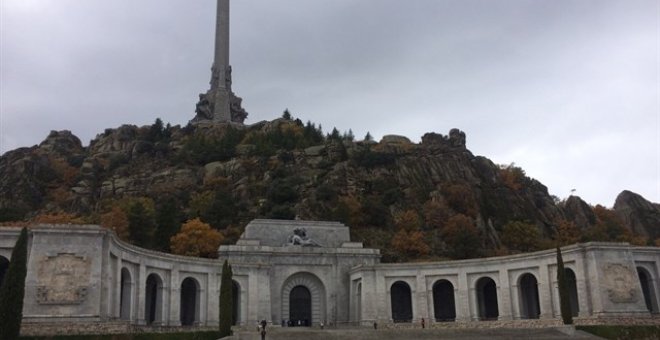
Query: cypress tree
{"points": [[226, 300], [564, 303], [13, 290]]}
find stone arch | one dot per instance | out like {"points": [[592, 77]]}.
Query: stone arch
{"points": [[4, 266], [648, 289], [317, 295], [125, 294], [571, 282], [236, 302], [190, 293], [528, 291], [487, 305], [444, 306], [153, 306], [401, 302]]}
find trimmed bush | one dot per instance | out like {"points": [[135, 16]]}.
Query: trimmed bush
{"points": [[13, 290], [564, 302], [226, 300]]}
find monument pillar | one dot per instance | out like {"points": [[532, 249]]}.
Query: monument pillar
{"points": [[219, 104], [221, 57], [220, 78]]}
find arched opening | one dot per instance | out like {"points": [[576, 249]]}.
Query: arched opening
{"points": [[648, 289], [153, 299], [401, 299], [571, 282], [189, 302], [529, 297], [125, 294], [236, 302], [300, 306], [444, 307], [4, 265], [487, 299], [317, 299]]}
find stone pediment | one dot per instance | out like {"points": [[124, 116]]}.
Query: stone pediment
{"points": [[277, 233]]}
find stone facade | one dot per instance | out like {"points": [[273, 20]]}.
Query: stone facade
{"points": [[84, 275]]}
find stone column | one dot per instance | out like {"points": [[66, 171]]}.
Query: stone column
{"points": [[545, 288], [421, 301], [141, 279], [461, 297], [174, 299], [213, 299], [504, 295]]}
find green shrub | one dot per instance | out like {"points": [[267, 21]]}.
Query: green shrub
{"points": [[623, 332], [205, 335]]}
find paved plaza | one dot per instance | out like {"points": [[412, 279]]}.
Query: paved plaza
{"points": [[417, 334]]}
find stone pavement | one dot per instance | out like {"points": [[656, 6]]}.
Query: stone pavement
{"points": [[276, 333]]}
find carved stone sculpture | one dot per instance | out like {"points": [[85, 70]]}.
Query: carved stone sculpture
{"points": [[300, 238]]}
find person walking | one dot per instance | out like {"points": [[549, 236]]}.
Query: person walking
{"points": [[422, 323]]}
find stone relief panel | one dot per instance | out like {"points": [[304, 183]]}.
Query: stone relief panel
{"points": [[63, 279], [620, 283]]}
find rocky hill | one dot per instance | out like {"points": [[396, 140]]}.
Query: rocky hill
{"points": [[413, 200]]}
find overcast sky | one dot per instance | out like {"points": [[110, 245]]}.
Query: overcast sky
{"points": [[568, 90]]}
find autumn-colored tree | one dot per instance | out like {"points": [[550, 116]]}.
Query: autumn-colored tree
{"points": [[64, 171], [58, 217], [196, 238], [567, 233], [608, 227], [407, 220], [460, 199], [462, 237], [436, 214], [521, 236], [348, 211], [512, 177], [410, 245], [117, 221]]}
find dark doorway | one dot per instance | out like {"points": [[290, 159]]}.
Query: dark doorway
{"points": [[647, 289], [4, 265], [189, 298], [571, 282], [153, 299], [529, 297], [125, 295], [444, 307], [300, 306], [236, 302], [487, 299], [401, 302]]}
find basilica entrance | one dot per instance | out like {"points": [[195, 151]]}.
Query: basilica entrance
{"points": [[303, 301], [300, 306]]}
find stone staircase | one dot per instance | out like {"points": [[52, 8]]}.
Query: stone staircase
{"points": [[302, 333]]}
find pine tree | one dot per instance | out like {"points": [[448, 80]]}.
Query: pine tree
{"points": [[167, 224], [13, 290], [564, 303], [226, 301], [140, 225]]}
